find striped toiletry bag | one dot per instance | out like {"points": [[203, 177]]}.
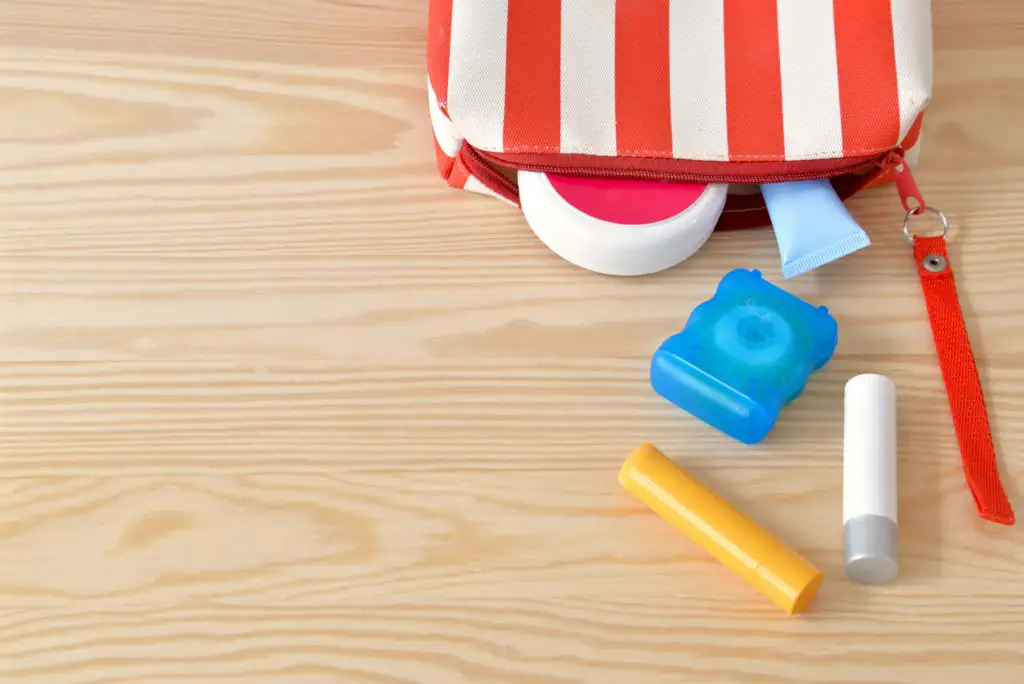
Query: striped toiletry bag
{"points": [[690, 91]]}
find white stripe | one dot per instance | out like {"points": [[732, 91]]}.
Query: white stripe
{"points": [[588, 77], [473, 184], [444, 130], [912, 36], [697, 74], [811, 121], [476, 71]]}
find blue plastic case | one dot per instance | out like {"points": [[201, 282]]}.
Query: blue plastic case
{"points": [[744, 354]]}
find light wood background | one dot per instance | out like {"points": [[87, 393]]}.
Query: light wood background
{"points": [[277, 406]]}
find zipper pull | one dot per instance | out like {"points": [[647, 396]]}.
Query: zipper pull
{"points": [[959, 370], [906, 186]]}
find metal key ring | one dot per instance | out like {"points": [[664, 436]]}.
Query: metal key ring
{"points": [[918, 211]]}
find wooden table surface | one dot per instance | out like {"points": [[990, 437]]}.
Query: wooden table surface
{"points": [[277, 406]]}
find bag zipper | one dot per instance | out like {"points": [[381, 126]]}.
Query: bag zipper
{"points": [[487, 174], [906, 186], [850, 175], [680, 170]]}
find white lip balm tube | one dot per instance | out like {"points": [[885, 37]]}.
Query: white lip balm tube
{"points": [[869, 480]]}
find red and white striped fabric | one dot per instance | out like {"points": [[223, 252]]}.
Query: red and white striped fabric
{"points": [[447, 144], [702, 80]]}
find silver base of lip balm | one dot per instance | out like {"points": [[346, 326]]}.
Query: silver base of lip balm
{"points": [[871, 549]]}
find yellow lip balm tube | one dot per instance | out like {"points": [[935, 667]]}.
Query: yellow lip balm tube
{"points": [[757, 556]]}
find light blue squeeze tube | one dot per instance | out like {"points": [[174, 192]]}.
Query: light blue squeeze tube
{"points": [[812, 225]]}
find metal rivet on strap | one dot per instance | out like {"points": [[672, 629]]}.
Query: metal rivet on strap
{"points": [[936, 263]]}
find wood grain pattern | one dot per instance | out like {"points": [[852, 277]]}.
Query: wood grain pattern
{"points": [[275, 406]]}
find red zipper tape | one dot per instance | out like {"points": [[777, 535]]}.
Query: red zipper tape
{"points": [[488, 175], [682, 170], [960, 373], [849, 176]]}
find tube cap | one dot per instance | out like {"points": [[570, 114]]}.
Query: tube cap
{"points": [[871, 549]]}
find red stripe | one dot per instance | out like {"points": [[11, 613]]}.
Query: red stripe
{"points": [[459, 175], [533, 80], [753, 83], [868, 93], [912, 136], [439, 42], [444, 162], [643, 105]]}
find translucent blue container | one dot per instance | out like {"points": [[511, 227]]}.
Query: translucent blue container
{"points": [[744, 354]]}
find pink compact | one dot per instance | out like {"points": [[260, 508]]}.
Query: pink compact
{"points": [[620, 227]]}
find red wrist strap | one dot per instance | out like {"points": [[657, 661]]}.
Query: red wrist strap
{"points": [[963, 386]]}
